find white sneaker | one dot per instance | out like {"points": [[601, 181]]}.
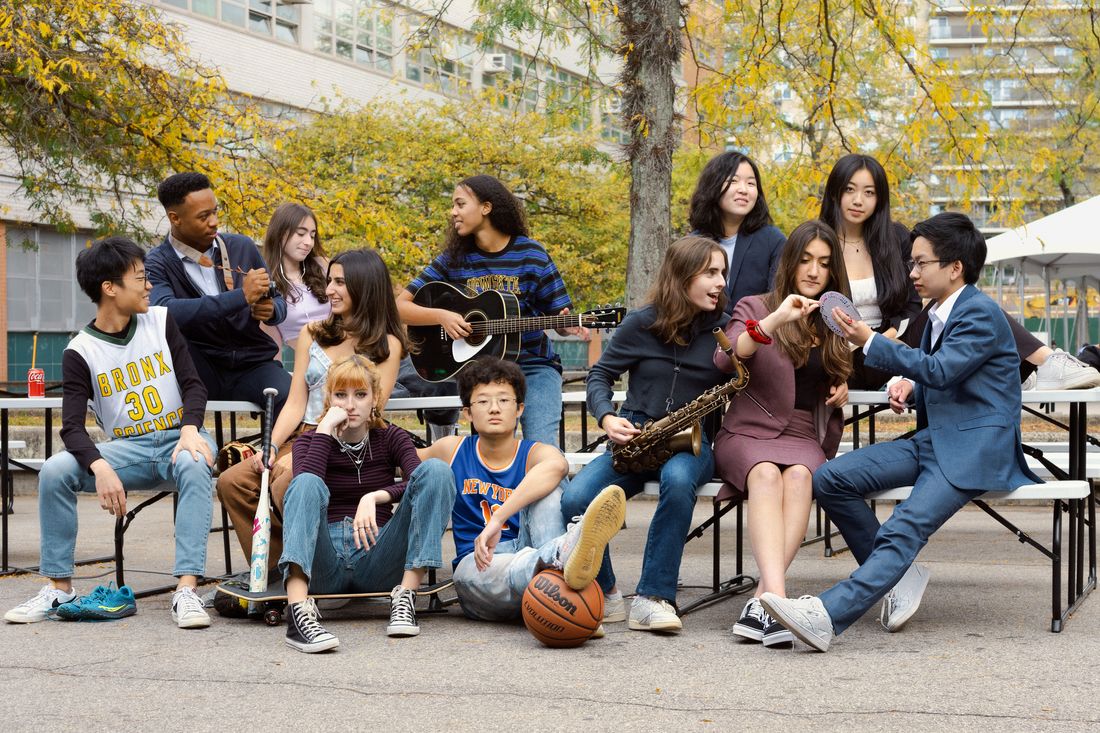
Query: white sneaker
{"points": [[902, 601], [581, 551], [614, 608], [1030, 382], [806, 618], [1065, 371], [653, 614], [38, 608], [187, 609]]}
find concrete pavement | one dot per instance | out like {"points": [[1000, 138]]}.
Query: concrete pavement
{"points": [[977, 656]]}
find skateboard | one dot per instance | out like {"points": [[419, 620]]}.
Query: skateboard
{"points": [[236, 600]]}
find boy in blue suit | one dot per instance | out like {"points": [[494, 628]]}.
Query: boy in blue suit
{"points": [[964, 380]]}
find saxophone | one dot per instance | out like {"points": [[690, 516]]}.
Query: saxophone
{"points": [[680, 430]]}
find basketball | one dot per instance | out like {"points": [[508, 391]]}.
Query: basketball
{"points": [[559, 616]]}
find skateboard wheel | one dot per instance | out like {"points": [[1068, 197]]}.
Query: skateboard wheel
{"points": [[273, 617]]}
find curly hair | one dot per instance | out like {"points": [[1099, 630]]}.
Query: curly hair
{"points": [[506, 216]]}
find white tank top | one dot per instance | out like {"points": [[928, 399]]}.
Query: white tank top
{"points": [[134, 387], [865, 299]]}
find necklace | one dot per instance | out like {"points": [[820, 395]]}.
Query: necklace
{"points": [[357, 453], [853, 246]]}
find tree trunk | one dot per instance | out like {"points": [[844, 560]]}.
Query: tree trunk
{"points": [[651, 49]]}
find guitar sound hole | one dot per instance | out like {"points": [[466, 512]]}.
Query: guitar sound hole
{"points": [[474, 318]]}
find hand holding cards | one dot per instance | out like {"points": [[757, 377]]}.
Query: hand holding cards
{"points": [[842, 318]]}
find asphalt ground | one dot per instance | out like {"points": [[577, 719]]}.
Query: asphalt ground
{"points": [[978, 655]]}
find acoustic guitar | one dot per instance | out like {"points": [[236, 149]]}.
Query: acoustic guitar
{"points": [[497, 328]]}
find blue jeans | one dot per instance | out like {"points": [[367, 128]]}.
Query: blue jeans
{"points": [[884, 552], [411, 540], [141, 462], [495, 594], [542, 407], [679, 479]]}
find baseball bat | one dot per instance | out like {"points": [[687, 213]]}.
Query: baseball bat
{"points": [[261, 525]]}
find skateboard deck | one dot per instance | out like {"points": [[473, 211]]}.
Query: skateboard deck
{"points": [[270, 604], [276, 592]]}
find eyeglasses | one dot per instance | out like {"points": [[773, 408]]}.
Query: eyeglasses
{"points": [[502, 402], [918, 265]]}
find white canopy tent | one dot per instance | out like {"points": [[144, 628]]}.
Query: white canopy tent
{"points": [[1063, 246]]}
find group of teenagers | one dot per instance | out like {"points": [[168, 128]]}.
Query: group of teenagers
{"points": [[359, 508]]}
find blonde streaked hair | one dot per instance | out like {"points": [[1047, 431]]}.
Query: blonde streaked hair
{"points": [[356, 372]]}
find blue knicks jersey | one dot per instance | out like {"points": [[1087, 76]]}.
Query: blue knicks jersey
{"points": [[481, 489]]}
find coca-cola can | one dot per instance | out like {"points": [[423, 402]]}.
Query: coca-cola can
{"points": [[36, 383]]}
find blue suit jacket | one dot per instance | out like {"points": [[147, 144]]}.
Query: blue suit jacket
{"points": [[967, 393], [754, 261], [219, 326]]}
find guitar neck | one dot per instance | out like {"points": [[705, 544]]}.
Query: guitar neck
{"points": [[520, 325]]}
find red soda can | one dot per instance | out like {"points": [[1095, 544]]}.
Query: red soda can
{"points": [[36, 383]]}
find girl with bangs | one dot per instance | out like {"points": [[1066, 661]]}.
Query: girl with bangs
{"points": [[363, 321], [788, 420], [297, 263], [341, 533], [666, 348]]}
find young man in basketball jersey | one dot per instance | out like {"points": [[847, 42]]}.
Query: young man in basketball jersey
{"points": [[506, 519], [131, 365]]}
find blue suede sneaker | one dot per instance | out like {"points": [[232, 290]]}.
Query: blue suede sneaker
{"points": [[105, 603]]}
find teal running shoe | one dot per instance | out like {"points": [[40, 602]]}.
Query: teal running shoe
{"points": [[105, 603]]}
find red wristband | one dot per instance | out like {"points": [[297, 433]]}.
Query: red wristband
{"points": [[756, 333]]}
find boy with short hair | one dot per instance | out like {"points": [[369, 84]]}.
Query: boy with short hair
{"points": [[506, 519], [131, 365]]}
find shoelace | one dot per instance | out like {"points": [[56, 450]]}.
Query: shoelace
{"points": [[757, 612], [98, 594], [308, 617], [188, 601], [403, 610]]}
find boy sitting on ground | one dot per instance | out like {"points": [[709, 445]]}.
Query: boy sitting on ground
{"points": [[506, 518]]}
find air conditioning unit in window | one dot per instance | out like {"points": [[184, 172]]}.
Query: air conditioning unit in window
{"points": [[495, 63], [613, 105]]}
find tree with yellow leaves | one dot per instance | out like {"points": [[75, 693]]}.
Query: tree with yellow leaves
{"points": [[383, 177], [100, 99]]}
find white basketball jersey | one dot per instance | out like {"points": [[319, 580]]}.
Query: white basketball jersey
{"points": [[134, 387]]}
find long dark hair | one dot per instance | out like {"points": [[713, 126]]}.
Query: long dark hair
{"points": [[506, 216], [884, 239], [795, 339], [684, 259], [288, 217], [373, 314], [705, 212]]}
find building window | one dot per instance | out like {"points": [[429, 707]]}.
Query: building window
{"points": [[278, 19], [360, 31], [517, 81], [565, 93], [442, 60], [42, 289]]}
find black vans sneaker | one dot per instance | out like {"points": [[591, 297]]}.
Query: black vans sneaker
{"points": [[775, 634], [751, 624], [304, 632]]}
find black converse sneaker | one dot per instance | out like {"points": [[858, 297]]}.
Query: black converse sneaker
{"points": [[402, 613], [303, 632]]}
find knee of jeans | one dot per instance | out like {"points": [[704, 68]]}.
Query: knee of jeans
{"points": [[56, 471], [825, 480], [187, 467], [306, 488], [435, 476]]}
